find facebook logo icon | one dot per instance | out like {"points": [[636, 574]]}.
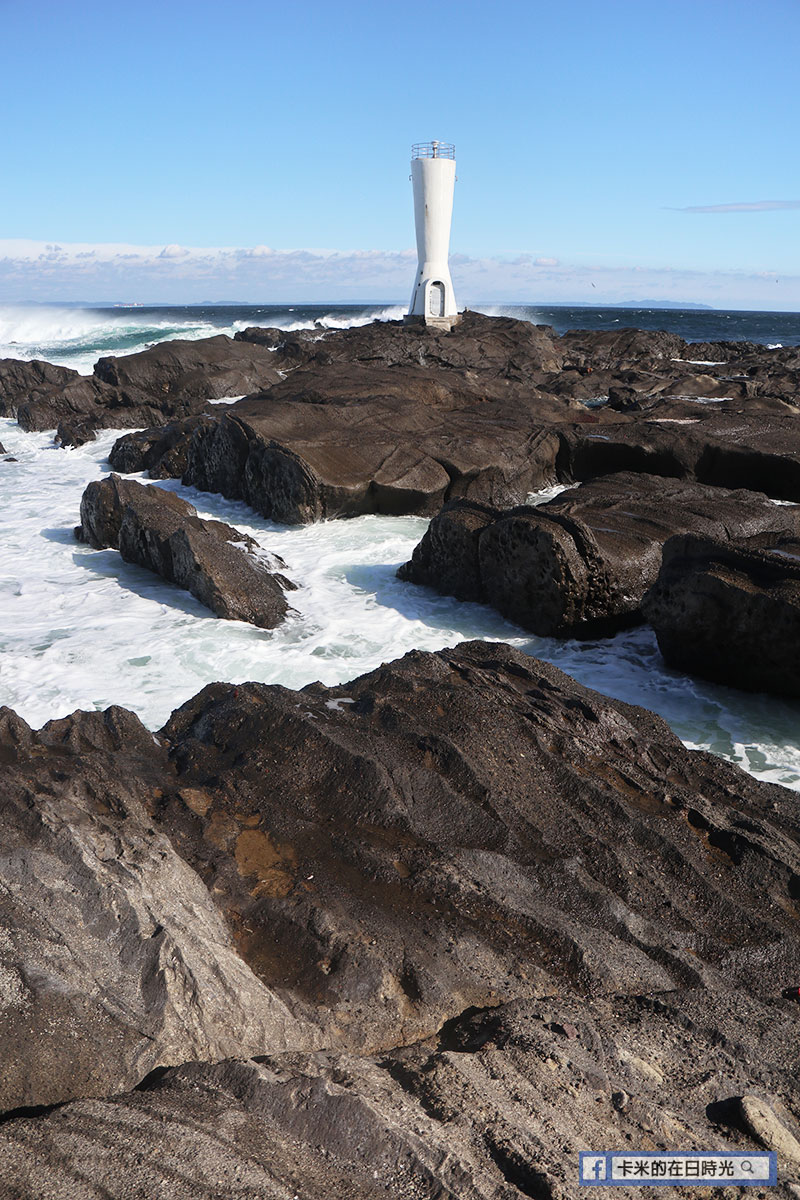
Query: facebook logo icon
{"points": [[593, 1168], [691, 1168]]}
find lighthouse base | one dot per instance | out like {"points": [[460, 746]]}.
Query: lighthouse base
{"points": [[433, 322]]}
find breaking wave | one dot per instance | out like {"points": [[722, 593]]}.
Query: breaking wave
{"points": [[333, 320], [76, 337]]}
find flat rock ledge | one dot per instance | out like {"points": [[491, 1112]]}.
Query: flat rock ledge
{"points": [[392, 419], [581, 564], [730, 612], [221, 566], [428, 934], [170, 380]]}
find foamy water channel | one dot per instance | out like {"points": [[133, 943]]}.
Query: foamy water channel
{"points": [[79, 628]]}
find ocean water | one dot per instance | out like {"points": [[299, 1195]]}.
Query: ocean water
{"points": [[81, 629], [77, 336]]}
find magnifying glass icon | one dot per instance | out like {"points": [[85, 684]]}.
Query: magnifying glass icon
{"points": [[745, 1166]]}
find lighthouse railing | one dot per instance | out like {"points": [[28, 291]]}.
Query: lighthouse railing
{"points": [[433, 150]]}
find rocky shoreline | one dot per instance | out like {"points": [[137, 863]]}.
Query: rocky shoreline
{"points": [[581, 564], [430, 933], [483, 957]]}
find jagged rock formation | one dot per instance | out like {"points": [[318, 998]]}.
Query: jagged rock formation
{"points": [[170, 380], [163, 451], [220, 565], [493, 347], [23, 382], [366, 447], [754, 449], [113, 957], [428, 934], [394, 441], [503, 381], [497, 1107], [396, 419], [205, 369], [730, 612], [521, 920], [580, 564]]}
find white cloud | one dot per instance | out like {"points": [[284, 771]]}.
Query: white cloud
{"points": [[747, 206], [185, 274], [173, 252]]}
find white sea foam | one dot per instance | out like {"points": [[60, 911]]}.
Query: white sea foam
{"points": [[79, 628], [328, 320], [511, 310], [25, 326], [77, 337], [542, 495]]}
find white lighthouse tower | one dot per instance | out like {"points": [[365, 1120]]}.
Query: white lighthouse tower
{"points": [[433, 174]]}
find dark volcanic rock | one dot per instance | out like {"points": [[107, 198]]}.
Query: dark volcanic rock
{"points": [[730, 612], [448, 557], [82, 406], [620, 348], [497, 1107], [580, 564], [553, 924], [360, 439], [624, 399], [162, 452], [500, 347], [499, 360], [291, 345], [43, 396], [758, 450], [113, 958], [206, 369], [102, 507], [22, 382], [158, 530], [465, 828], [397, 419], [171, 380], [715, 353]]}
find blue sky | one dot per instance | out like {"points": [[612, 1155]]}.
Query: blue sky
{"points": [[264, 146]]}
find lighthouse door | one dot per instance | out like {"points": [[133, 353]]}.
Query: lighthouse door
{"points": [[436, 300]]}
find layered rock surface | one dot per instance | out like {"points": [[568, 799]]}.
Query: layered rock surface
{"points": [[171, 380], [162, 451], [363, 440], [580, 564], [521, 919], [493, 347], [757, 449], [475, 404], [113, 957], [497, 1107], [205, 369], [730, 612], [397, 419], [223, 567]]}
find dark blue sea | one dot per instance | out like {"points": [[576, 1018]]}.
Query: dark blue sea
{"points": [[77, 335]]}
